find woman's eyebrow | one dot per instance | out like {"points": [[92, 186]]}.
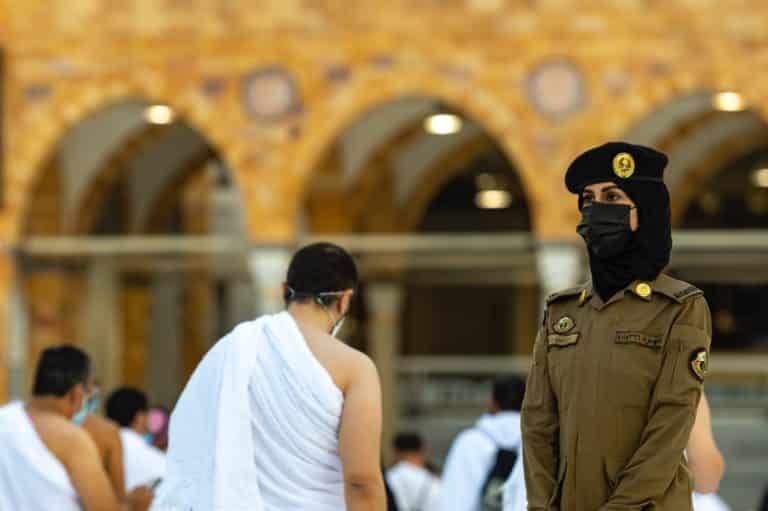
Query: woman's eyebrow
{"points": [[610, 187]]}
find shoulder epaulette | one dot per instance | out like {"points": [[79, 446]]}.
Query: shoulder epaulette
{"points": [[571, 291], [677, 290]]}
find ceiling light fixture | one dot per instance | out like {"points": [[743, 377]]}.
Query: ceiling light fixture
{"points": [[760, 177], [493, 199], [443, 124], [159, 114], [729, 102]]}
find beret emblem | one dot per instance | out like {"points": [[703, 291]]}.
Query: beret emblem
{"points": [[623, 165]]}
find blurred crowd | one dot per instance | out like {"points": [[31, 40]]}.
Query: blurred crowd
{"points": [[58, 450]]}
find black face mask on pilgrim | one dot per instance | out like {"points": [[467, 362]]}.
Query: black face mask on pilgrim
{"points": [[605, 228]]}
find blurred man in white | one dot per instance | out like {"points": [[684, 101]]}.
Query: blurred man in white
{"points": [[143, 464], [414, 486], [515, 496], [705, 461], [482, 457], [47, 461]]}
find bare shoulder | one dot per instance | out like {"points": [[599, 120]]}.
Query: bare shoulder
{"points": [[360, 362], [104, 432], [362, 376], [344, 363], [79, 446], [97, 425], [56, 427], [65, 440]]}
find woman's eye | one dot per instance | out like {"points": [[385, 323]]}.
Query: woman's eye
{"points": [[613, 197], [587, 199]]}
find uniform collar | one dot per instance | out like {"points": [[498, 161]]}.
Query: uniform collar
{"points": [[637, 287]]}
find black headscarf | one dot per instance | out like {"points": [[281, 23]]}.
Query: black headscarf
{"points": [[648, 253]]}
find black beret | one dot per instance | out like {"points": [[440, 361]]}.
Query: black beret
{"points": [[618, 162]]}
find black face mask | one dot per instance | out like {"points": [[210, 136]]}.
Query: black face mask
{"points": [[606, 229]]}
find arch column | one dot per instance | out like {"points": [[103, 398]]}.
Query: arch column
{"points": [[385, 299], [8, 365], [102, 316], [560, 266], [268, 266], [166, 363]]}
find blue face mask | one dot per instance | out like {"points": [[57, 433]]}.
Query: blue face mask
{"points": [[90, 404], [149, 438]]}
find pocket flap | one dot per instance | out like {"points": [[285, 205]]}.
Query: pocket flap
{"points": [[560, 340], [640, 338]]}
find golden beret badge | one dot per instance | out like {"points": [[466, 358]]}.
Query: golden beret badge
{"points": [[700, 363], [623, 165]]}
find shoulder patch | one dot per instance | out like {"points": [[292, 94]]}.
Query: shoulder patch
{"points": [[699, 363], [573, 291]]}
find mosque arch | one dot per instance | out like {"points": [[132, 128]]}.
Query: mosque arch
{"points": [[117, 174]]}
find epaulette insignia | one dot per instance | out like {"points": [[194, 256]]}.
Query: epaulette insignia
{"points": [[574, 291], [688, 291]]}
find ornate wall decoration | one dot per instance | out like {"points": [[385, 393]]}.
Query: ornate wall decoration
{"points": [[557, 88], [270, 94], [337, 73], [37, 91], [213, 86]]}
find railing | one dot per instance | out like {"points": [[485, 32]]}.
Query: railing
{"points": [[443, 384], [684, 241]]}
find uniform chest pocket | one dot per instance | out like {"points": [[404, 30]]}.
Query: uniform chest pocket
{"points": [[635, 362], [562, 350]]}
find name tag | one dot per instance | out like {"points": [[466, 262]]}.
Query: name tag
{"points": [[560, 340], [649, 341]]}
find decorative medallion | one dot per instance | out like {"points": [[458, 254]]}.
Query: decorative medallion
{"points": [[557, 88], [337, 73], [270, 94]]}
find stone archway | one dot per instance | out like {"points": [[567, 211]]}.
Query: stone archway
{"points": [[699, 140], [329, 120], [49, 125], [61, 290]]}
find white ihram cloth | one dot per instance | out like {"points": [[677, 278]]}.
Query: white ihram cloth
{"points": [[709, 502], [472, 456], [415, 488], [31, 477], [515, 495], [256, 428], [143, 464]]}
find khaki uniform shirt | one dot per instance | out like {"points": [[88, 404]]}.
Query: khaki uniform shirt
{"points": [[612, 396]]}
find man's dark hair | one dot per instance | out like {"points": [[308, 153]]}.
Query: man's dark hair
{"points": [[59, 369], [125, 403], [408, 442], [508, 393], [317, 270]]}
